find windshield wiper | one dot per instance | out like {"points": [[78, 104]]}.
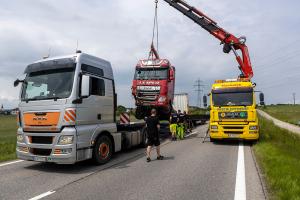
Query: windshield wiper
{"points": [[38, 99]]}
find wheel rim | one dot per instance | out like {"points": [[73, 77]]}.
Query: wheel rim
{"points": [[103, 150]]}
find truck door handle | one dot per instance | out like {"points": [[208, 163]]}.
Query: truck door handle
{"points": [[99, 116]]}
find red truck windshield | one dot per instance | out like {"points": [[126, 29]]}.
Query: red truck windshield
{"points": [[151, 74]]}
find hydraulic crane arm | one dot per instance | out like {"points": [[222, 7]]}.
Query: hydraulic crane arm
{"points": [[230, 41]]}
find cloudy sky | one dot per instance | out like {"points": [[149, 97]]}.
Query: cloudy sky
{"points": [[120, 31]]}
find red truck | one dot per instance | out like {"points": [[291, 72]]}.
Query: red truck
{"points": [[153, 86]]}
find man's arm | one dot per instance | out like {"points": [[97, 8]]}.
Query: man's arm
{"points": [[158, 125]]}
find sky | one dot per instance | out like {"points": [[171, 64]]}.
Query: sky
{"points": [[120, 31]]}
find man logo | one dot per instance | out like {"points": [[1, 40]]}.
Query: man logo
{"points": [[39, 118]]}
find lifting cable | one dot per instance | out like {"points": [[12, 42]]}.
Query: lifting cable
{"points": [[154, 32]]}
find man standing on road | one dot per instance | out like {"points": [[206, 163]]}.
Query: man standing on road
{"points": [[153, 127], [173, 124]]}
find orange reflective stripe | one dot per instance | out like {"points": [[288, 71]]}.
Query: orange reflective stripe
{"points": [[72, 112], [66, 119], [70, 116]]}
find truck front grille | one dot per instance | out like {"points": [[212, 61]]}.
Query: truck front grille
{"points": [[147, 96], [40, 140], [233, 132], [40, 152], [233, 127]]}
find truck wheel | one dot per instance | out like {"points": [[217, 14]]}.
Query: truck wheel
{"points": [[212, 140], [144, 135], [139, 113], [102, 151]]}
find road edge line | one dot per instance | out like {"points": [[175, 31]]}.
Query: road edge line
{"points": [[43, 195], [240, 182], [10, 163], [260, 175]]}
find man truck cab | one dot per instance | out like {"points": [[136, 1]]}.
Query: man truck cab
{"points": [[67, 112], [233, 110]]}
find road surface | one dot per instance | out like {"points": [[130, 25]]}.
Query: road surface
{"points": [[191, 170], [290, 127]]}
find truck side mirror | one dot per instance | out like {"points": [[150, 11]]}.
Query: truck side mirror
{"points": [[262, 99], [85, 86], [16, 82], [205, 101], [171, 75]]}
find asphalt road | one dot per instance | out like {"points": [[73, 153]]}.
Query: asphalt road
{"points": [[191, 170]]}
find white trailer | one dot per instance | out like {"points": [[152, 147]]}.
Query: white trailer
{"points": [[181, 102]]}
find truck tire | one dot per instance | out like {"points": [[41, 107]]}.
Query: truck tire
{"points": [[212, 140], [102, 151], [144, 136], [139, 113]]}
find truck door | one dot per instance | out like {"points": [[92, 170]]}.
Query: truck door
{"points": [[96, 108]]}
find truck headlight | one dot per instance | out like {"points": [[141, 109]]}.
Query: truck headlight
{"points": [[214, 127], [253, 128], [64, 140], [20, 138], [162, 99]]}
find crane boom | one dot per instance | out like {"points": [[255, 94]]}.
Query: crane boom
{"points": [[230, 41]]}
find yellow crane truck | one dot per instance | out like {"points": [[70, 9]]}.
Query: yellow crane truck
{"points": [[233, 110]]}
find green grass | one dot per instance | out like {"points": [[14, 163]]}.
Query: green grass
{"points": [[278, 154], [287, 113], [198, 111], [8, 130]]}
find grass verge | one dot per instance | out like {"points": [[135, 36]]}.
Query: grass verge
{"points": [[8, 129], [278, 154], [287, 113]]}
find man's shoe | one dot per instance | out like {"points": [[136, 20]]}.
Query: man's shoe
{"points": [[148, 159], [160, 157]]}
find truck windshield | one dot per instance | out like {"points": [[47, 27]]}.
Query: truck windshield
{"points": [[151, 74], [50, 84], [232, 99]]}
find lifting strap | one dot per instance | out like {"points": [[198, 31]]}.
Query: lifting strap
{"points": [[153, 52]]}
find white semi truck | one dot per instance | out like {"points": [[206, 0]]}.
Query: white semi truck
{"points": [[67, 112]]}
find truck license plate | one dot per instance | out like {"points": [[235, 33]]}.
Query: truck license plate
{"points": [[233, 135], [39, 159]]}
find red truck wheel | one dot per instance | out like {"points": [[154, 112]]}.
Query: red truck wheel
{"points": [[102, 151]]}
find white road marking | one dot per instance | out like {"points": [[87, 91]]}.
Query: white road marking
{"points": [[10, 163], [193, 133], [42, 195], [240, 183]]}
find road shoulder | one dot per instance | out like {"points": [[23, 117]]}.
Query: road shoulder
{"points": [[290, 127]]}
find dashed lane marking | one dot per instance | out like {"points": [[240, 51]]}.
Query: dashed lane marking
{"points": [[10, 163], [42, 195]]}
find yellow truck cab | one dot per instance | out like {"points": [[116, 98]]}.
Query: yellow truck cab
{"points": [[233, 110]]}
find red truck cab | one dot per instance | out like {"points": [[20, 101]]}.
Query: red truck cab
{"points": [[153, 87]]}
